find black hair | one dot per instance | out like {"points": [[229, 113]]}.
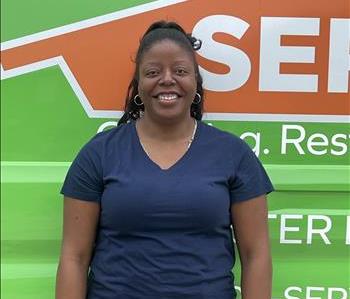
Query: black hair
{"points": [[157, 32]]}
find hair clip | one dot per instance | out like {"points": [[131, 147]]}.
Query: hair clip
{"points": [[196, 44]]}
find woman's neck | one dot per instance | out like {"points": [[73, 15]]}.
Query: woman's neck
{"points": [[149, 129]]}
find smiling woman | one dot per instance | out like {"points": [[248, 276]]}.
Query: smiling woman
{"points": [[150, 205], [166, 55], [167, 82]]}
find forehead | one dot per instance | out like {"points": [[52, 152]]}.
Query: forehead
{"points": [[166, 50]]}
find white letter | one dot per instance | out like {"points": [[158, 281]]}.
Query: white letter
{"points": [[106, 125], [339, 57], [331, 290], [339, 144], [347, 238], [272, 216], [296, 142], [286, 292], [308, 292], [236, 59], [311, 143], [284, 229], [256, 138], [272, 54], [321, 231], [238, 289]]}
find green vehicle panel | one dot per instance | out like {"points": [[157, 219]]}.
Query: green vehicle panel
{"points": [[43, 126]]}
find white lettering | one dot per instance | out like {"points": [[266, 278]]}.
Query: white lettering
{"points": [[272, 54], [337, 290], [272, 216], [284, 229], [339, 57], [332, 293], [343, 146], [107, 125], [312, 142], [236, 59], [238, 289], [311, 289], [256, 138], [321, 231], [296, 141], [291, 289]]}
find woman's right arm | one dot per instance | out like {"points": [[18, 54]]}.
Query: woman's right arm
{"points": [[79, 231]]}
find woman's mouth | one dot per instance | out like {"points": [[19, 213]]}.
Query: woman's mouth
{"points": [[167, 97]]}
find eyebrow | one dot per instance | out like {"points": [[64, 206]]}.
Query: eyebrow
{"points": [[154, 63], [180, 61]]}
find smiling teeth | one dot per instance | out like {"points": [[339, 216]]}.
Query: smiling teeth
{"points": [[167, 97]]}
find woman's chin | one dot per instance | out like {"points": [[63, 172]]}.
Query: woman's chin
{"points": [[169, 115]]}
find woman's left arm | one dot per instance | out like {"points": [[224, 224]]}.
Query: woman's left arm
{"points": [[250, 225]]}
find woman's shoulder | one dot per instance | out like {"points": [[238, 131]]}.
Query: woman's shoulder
{"points": [[222, 137], [108, 138]]}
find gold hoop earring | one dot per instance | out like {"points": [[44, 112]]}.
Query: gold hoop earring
{"points": [[137, 103], [197, 100]]}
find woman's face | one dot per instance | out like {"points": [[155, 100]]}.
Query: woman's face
{"points": [[167, 81]]}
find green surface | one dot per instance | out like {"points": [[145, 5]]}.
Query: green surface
{"points": [[36, 15], [37, 110], [43, 126]]}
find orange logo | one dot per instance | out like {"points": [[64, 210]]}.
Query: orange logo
{"points": [[261, 60]]}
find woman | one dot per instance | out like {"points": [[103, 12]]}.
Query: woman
{"points": [[149, 205]]}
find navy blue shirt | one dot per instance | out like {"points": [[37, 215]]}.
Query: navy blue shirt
{"points": [[164, 233]]}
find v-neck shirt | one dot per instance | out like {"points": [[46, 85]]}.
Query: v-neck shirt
{"points": [[136, 136], [164, 233]]}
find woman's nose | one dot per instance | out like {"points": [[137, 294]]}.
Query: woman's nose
{"points": [[167, 78]]}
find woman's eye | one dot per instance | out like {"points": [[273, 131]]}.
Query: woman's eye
{"points": [[151, 73], [181, 71]]}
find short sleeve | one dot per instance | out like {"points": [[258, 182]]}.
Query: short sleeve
{"points": [[249, 179], [84, 179]]}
